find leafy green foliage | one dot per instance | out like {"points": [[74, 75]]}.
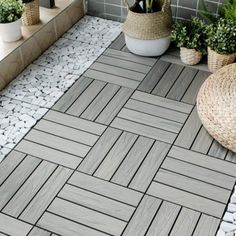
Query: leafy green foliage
{"points": [[206, 13], [190, 34], [10, 10], [228, 10], [222, 36]]}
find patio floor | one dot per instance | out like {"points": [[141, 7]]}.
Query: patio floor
{"points": [[123, 152]]}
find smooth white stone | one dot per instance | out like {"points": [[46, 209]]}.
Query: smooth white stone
{"points": [[229, 217], [220, 233], [231, 207], [227, 227]]}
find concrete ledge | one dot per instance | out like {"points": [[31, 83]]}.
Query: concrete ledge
{"points": [[15, 57]]}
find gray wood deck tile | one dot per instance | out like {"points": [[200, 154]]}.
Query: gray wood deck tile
{"points": [[57, 143], [67, 132], [46, 194], [142, 217], [156, 110], [115, 156], [11, 226], [39, 232], [16, 179], [75, 122], [217, 150], [66, 227], [87, 217], [96, 202], [9, 164], [185, 223], [231, 156], [132, 161], [203, 160], [99, 151], [119, 43], [109, 78], [154, 76], [114, 70], [97, 105], [187, 199], [192, 185], [106, 188], [200, 173], [29, 189], [206, 226], [72, 94], [149, 167], [164, 219], [114, 106], [49, 154], [86, 98]]}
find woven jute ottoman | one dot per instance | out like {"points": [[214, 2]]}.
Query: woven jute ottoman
{"points": [[216, 105]]}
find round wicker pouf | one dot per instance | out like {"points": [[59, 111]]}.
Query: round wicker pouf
{"points": [[216, 105]]}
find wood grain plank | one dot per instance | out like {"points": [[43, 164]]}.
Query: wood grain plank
{"points": [[206, 226], [16, 179], [203, 160], [142, 217], [67, 132], [39, 232], [49, 154], [109, 78], [87, 217], [119, 43], [115, 156], [149, 167], [185, 223], [46, 194], [75, 122], [29, 189], [105, 188], [9, 164], [96, 202], [154, 76], [144, 130], [72, 94], [156, 110], [164, 219], [187, 199], [11, 226], [162, 102], [86, 98], [192, 185], [150, 120], [200, 173], [100, 102], [189, 131], [58, 143], [114, 106], [132, 161], [66, 227], [217, 150], [114, 70], [99, 151]]}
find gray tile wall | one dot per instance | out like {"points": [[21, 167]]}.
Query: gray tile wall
{"points": [[116, 9]]}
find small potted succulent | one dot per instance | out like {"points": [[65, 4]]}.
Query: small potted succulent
{"points": [[10, 20], [190, 37], [31, 15], [221, 43]]}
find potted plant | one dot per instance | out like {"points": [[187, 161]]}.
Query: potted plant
{"points": [[190, 37], [31, 15], [147, 27], [10, 20], [221, 43]]}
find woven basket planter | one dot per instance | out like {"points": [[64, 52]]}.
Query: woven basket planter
{"points": [[216, 105], [190, 56], [154, 28], [31, 15], [217, 61]]}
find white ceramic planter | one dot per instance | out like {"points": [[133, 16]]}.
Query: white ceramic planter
{"points": [[10, 32], [149, 48]]}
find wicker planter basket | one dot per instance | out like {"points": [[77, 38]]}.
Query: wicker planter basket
{"points": [[31, 15], [217, 61], [217, 107], [190, 56], [150, 25]]}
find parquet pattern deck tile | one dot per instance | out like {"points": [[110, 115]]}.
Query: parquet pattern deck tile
{"points": [[123, 152]]}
